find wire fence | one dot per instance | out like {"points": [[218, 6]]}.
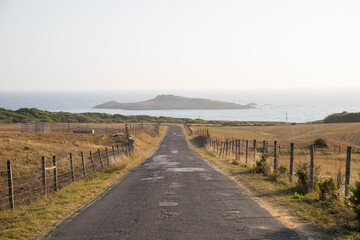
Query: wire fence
{"points": [[332, 162], [91, 128], [17, 188]]}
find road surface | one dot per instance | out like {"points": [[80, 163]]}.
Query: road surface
{"points": [[174, 195]]}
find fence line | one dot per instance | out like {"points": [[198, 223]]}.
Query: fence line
{"points": [[55, 176], [90, 128], [232, 148]]}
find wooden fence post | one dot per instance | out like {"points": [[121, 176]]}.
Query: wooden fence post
{"points": [[291, 162], [128, 150], [107, 156], [264, 143], [55, 174], [72, 168], [118, 149], [220, 148], [83, 164], [92, 161], [312, 167], [226, 148], [10, 185], [247, 150], [43, 173], [267, 146], [101, 162], [254, 152], [236, 149], [113, 151], [347, 174], [239, 150], [275, 156], [232, 147]]}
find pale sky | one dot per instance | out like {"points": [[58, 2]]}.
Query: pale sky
{"points": [[165, 44]]}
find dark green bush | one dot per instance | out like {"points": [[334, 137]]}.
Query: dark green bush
{"points": [[283, 169], [303, 174], [355, 198], [262, 166], [320, 143], [327, 189], [199, 141]]}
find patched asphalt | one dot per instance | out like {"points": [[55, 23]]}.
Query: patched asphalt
{"points": [[174, 195]]}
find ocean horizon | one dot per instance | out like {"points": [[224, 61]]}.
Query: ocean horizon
{"points": [[298, 106]]}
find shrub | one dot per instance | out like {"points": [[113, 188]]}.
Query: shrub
{"points": [[275, 176], [320, 143], [199, 141], [283, 169], [339, 178], [327, 189], [262, 166], [297, 196], [303, 174], [355, 198], [253, 170]]}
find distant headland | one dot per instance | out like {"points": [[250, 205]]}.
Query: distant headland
{"points": [[171, 102]]}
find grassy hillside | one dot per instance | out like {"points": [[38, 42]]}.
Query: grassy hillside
{"points": [[343, 117], [36, 115], [33, 114]]}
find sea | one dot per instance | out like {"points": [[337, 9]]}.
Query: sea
{"points": [[298, 106]]}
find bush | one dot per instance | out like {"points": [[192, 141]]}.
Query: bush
{"points": [[262, 166], [253, 170], [303, 174], [297, 196], [199, 141], [283, 169], [275, 176], [327, 189], [339, 178], [355, 198], [320, 143]]}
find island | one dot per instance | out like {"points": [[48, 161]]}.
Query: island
{"points": [[171, 102]]}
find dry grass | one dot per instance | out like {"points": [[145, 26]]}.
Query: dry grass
{"points": [[39, 217], [343, 134], [322, 220], [25, 150], [302, 135]]}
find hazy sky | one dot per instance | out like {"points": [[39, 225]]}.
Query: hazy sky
{"points": [[197, 44]]}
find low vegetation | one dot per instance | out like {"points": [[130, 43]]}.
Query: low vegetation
{"points": [[33, 114], [36, 115]]}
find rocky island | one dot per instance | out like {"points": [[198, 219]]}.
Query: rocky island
{"points": [[171, 102]]}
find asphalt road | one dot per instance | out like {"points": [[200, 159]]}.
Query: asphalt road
{"points": [[174, 195]]}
